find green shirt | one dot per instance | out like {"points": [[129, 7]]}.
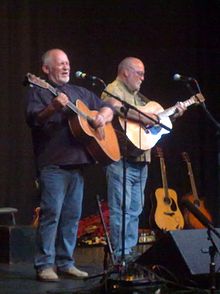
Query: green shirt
{"points": [[119, 89]]}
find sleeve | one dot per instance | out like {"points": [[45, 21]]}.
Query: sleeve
{"points": [[114, 90], [36, 100]]}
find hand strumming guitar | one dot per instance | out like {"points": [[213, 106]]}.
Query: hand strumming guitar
{"points": [[104, 116]]}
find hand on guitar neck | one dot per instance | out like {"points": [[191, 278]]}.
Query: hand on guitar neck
{"points": [[180, 109], [60, 101]]}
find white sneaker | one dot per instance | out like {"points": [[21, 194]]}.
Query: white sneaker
{"points": [[47, 275], [75, 272]]}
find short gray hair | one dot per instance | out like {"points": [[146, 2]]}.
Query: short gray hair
{"points": [[124, 63], [47, 56], [45, 59]]}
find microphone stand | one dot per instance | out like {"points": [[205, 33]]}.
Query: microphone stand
{"points": [[125, 110], [98, 79], [213, 250], [214, 121], [121, 267]]}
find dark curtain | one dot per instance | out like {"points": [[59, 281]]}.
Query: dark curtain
{"points": [[169, 36]]}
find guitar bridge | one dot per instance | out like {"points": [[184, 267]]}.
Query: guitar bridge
{"points": [[169, 213]]}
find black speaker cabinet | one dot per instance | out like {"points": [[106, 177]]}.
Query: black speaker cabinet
{"points": [[183, 253], [17, 244]]}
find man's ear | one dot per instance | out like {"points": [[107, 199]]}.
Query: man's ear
{"points": [[45, 69], [125, 73]]}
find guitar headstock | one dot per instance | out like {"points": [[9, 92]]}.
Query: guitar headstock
{"points": [[198, 98], [36, 81], [185, 156]]}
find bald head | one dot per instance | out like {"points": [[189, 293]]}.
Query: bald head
{"points": [[55, 64], [50, 55], [131, 72], [129, 62]]}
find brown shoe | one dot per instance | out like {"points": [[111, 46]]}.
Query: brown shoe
{"points": [[47, 275], [74, 272]]}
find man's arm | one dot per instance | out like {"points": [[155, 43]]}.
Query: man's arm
{"points": [[132, 114], [57, 104]]}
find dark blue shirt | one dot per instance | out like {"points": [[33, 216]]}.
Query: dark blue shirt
{"points": [[53, 141]]}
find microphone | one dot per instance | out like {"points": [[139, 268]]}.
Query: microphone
{"points": [[200, 216], [81, 75], [178, 77]]}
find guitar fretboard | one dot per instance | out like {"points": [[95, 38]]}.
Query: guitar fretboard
{"points": [[70, 104], [171, 110]]}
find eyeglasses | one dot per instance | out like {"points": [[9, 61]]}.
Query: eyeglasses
{"points": [[139, 73]]}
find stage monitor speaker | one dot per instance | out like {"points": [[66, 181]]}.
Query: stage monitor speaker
{"points": [[17, 244], [184, 253]]}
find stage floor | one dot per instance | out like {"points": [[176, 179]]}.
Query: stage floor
{"points": [[20, 279], [18, 275]]}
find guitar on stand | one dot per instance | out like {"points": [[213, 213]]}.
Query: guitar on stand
{"points": [[167, 215], [190, 220]]}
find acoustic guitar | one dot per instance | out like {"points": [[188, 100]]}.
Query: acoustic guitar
{"points": [[101, 143], [167, 215], [190, 220], [140, 137]]}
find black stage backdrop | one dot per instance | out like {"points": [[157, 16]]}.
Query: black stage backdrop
{"points": [[169, 36]]}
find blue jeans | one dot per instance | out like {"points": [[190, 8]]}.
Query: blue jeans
{"points": [[61, 205], [136, 177]]}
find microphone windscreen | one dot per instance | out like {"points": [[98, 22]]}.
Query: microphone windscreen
{"points": [[176, 77], [78, 74]]}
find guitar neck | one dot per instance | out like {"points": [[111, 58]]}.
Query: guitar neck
{"points": [[53, 90], [171, 110], [164, 177], [70, 105], [79, 112], [192, 180]]}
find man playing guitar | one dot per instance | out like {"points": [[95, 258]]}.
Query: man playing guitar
{"points": [[131, 73]]}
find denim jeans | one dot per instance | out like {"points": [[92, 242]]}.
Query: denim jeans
{"points": [[61, 204], [136, 176]]}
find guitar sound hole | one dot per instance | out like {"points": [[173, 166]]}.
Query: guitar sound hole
{"points": [[173, 205], [169, 201]]}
